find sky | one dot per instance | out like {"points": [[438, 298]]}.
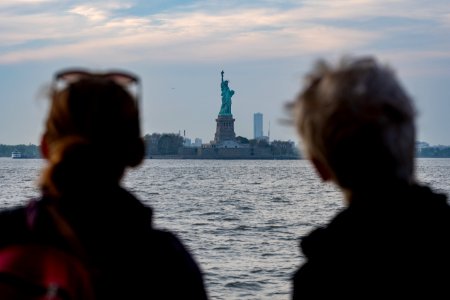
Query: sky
{"points": [[179, 48]]}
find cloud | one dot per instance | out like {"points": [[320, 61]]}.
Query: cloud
{"points": [[98, 11], [15, 3], [53, 27], [22, 29], [91, 13], [101, 31]]}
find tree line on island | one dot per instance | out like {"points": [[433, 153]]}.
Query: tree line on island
{"points": [[170, 143]]}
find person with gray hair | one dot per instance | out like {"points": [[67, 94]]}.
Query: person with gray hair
{"points": [[393, 236]]}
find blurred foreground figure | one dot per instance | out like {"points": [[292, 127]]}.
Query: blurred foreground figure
{"points": [[392, 239], [92, 135]]}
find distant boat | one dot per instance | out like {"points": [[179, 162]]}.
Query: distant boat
{"points": [[16, 154]]}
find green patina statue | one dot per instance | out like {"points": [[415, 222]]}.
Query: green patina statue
{"points": [[225, 109]]}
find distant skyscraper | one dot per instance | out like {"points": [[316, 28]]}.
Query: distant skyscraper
{"points": [[257, 125]]}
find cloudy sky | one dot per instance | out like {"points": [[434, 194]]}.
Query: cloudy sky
{"points": [[178, 48]]}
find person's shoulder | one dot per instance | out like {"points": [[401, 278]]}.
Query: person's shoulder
{"points": [[431, 196], [429, 205], [130, 199], [175, 261], [167, 241], [337, 236], [126, 204], [169, 247]]}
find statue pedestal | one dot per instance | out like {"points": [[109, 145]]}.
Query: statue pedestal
{"points": [[224, 129]]}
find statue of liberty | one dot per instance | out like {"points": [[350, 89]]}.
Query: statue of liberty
{"points": [[225, 109]]}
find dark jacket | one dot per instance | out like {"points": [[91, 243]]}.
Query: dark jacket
{"points": [[129, 259], [389, 244]]}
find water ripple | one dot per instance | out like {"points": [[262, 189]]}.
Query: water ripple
{"points": [[242, 220]]}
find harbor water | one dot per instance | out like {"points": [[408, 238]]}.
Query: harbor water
{"points": [[242, 220]]}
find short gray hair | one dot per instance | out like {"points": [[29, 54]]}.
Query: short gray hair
{"points": [[358, 121]]}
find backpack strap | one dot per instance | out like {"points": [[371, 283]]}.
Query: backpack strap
{"points": [[38, 270]]}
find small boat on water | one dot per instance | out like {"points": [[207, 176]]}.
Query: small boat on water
{"points": [[16, 154]]}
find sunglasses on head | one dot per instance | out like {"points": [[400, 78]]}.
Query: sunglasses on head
{"points": [[125, 79]]}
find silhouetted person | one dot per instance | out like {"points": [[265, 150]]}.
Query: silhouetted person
{"points": [[92, 134], [391, 241]]}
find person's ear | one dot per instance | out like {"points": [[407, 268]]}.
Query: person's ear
{"points": [[44, 147], [322, 169]]}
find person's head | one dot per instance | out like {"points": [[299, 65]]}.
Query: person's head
{"points": [[357, 124], [92, 131]]}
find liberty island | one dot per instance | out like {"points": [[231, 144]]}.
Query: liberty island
{"points": [[226, 145]]}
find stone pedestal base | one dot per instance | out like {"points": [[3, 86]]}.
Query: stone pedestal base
{"points": [[224, 129]]}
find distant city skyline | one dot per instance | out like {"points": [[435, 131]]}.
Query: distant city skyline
{"points": [[179, 48]]}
